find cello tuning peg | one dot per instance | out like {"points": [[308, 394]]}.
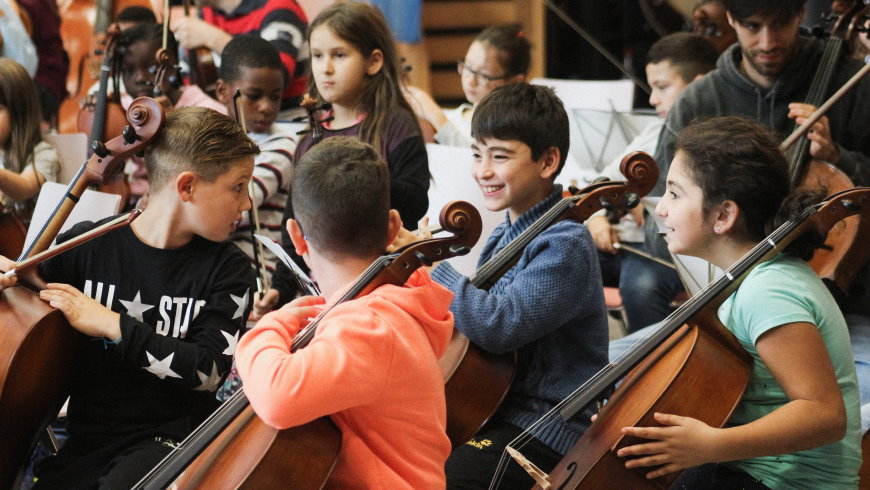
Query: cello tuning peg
{"points": [[129, 134], [100, 149], [851, 205], [631, 200], [605, 203], [423, 258], [459, 250]]}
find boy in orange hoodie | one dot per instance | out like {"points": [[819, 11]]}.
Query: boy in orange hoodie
{"points": [[372, 365]]}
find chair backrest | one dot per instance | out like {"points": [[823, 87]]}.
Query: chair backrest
{"points": [[92, 206], [451, 180], [72, 152]]}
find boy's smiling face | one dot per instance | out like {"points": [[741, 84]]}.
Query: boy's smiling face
{"points": [[510, 177], [261, 96]]}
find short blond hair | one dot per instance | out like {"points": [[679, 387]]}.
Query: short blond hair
{"points": [[199, 140]]}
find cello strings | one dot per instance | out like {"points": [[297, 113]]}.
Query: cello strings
{"points": [[563, 410]]}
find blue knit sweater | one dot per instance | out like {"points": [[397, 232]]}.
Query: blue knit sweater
{"points": [[549, 307]]}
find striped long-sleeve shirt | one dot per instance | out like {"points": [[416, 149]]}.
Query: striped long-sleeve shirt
{"points": [[271, 182]]}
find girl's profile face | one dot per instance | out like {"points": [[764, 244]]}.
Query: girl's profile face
{"points": [[339, 69], [688, 230]]}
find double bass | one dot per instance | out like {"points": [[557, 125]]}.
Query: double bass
{"points": [[687, 362], [37, 345], [233, 448]]}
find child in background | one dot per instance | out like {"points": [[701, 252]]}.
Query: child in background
{"points": [[648, 288], [797, 424], [138, 46], [354, 68], [281, 22], [251, 66], [162, 318], [549, 307], [27, 161], [372, 366], [498, 56]]}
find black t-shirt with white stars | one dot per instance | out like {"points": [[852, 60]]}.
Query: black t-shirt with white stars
{"points": [[182, 311]]}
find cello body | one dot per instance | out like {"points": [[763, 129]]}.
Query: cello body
{"points": [[302, 457], [839, 262], [690, 366], [696, 364], [37, 344], [36, 355], [12, 233]]}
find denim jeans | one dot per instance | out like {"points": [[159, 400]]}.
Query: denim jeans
{"points": [[647, 288]]}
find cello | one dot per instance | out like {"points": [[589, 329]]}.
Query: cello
{"points": [[12, 231], [83, 32], [845, 251], [685, 363], [37, 345], [233, 448], [101, 117], [471, 403]]}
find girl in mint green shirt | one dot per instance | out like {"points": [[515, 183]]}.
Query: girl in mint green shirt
{"points": [[797, 424]]}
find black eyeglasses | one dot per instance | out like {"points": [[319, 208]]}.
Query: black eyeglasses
{"points": [[461, 68]]}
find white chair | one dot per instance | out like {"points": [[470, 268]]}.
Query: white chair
{"points": [[72, 152], [92, 206]]}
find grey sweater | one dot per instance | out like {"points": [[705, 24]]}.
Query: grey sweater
{"points": [[726, 91]]}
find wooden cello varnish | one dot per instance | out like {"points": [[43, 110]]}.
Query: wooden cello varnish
{"points": [[690, 366], [37, 345], [697, 367], [845, 250]]}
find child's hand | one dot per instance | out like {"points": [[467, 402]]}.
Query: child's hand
{"points": [[603, 234], [265, 304], [304, 308], [683, 442], [192, 32], [6, 265], [404, 238], [83, 313]]}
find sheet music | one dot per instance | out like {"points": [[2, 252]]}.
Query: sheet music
{"points": [[305, 283]]}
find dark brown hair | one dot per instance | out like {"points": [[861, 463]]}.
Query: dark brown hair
{"points": [[689, 54], [733, 158], [363, 26], [532, 114], [514, 49], [341, 197]]}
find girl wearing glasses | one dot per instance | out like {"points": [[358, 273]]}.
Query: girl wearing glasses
{"points": [[498, 56]]}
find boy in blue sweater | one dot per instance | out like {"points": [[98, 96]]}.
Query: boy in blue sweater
{"points": [[549, 307]]}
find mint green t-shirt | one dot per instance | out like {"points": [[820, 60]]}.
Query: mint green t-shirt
{"points": [[780, 291]]}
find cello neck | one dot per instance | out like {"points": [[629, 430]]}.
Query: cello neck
{"points": [[798, 154]]}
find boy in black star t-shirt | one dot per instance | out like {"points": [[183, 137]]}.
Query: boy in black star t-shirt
{"points": [[162, 302]]}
